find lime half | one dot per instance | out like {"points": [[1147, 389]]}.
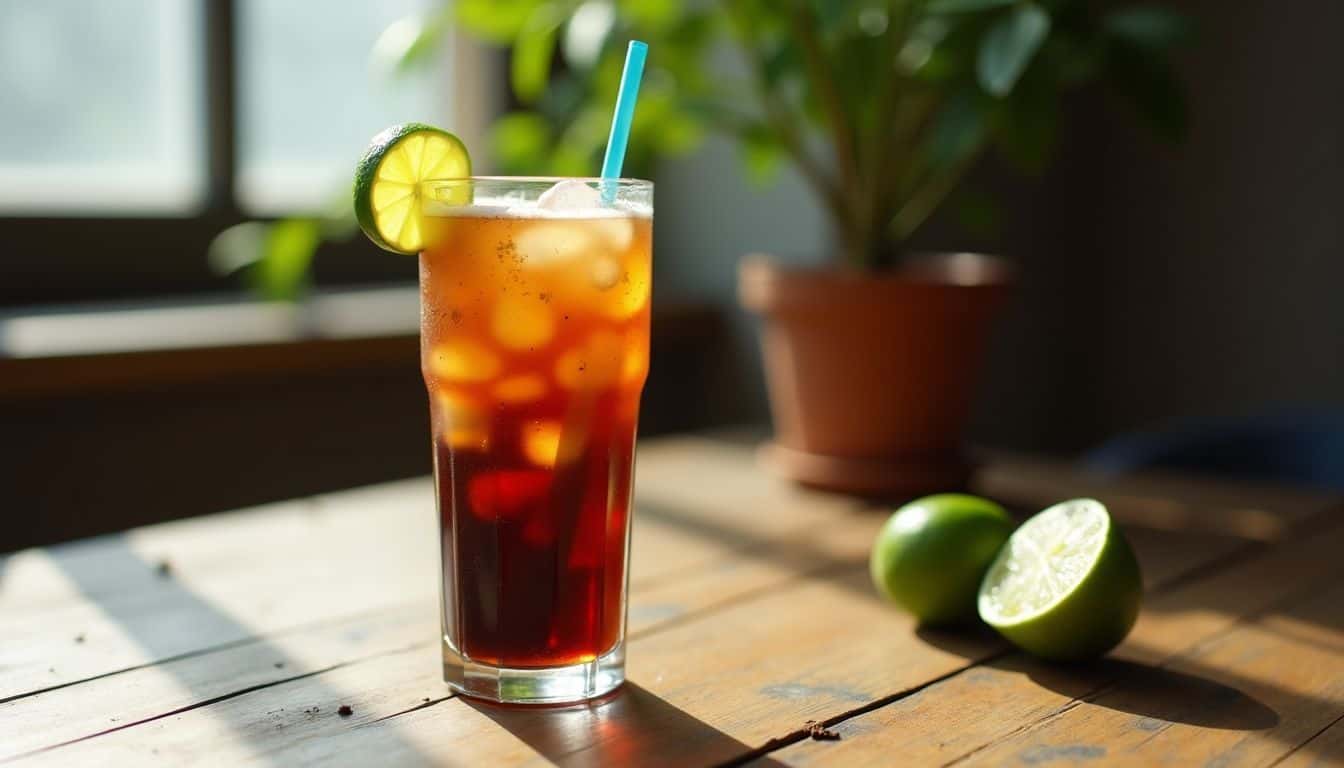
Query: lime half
{"points": [[1066, 585], [387, 181]]}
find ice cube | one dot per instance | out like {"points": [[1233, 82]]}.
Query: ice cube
{"points": [[580, 201], [552, 243], [522, 388], [632, 289], [508, 494], [595, 364], [635, 361], [570, 195], [604, 271], [463, 360], [522, 322], [541, 442], [461, 421], [615, 230]]}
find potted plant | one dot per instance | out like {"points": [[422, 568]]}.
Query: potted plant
{"points": [[883, 106]]}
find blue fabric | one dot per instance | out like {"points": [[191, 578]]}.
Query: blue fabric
{"points": [[1296, 447]]}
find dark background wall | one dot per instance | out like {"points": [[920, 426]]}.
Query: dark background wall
{"points": [[1158, 282], [1188, 281]]}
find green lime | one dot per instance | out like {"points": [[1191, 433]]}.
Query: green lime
{"points": [[1066, 586], [387, 181], [931, 554]]}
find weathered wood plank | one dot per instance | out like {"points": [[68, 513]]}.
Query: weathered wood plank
{"points": [[1248, 697], [274, 568], [135, 696], [706, 563], [91, 608], [80, 710], [1324, 749], [709, 686], [958, 717], [1157, 499], [747, 595]]}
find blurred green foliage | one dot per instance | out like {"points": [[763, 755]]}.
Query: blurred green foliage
{"points": [[882, 105]]}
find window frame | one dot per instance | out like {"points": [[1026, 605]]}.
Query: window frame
{"points": [[100, 256]]}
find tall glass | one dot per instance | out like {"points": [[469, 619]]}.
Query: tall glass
{"points": [[535, 347]]}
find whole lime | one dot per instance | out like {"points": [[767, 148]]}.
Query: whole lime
{"points": [[930, 556], [1066, 586]]}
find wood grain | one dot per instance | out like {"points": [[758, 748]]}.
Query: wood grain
{"points": [[1156, 499], [957, 718], [283, 566], [712, 684], [751, 613], [693, 563], [1324, 749], [1246, 698]]}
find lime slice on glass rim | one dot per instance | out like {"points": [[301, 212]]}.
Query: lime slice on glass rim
{"points": [[1066, 586], [387, 181]]}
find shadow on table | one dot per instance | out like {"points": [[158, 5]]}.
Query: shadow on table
{"points": [[797, 551], [629, 727], [120, 582], [968, 641], [1159, 695]]}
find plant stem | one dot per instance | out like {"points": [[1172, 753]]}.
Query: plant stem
{"points": [[926, 198], [905, 134], [890, 140], [785, 125], [823, 82]]}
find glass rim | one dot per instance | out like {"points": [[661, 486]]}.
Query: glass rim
{"points": [[623, 181]]}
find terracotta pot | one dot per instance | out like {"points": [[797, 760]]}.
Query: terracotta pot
{"points": [[870, 376]]}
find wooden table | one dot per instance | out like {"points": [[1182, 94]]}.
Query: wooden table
{"points": [[236, 639]]}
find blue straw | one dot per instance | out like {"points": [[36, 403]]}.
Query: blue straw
{"points": [[625, 112]]}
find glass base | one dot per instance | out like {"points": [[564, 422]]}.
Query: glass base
{"points": [[536, 685]]}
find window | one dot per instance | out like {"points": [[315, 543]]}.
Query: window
{"points": [[103, 107], [134, 131], [311, 93], [108, 112]]}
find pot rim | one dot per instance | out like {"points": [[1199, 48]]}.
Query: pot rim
{"points": [[764, 284], [958, 268]]}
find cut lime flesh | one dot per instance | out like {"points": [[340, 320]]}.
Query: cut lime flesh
{"points": [[1066, 586], [1044, 560], [387, 181]]}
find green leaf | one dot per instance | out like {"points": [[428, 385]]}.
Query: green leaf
{"points": [[829, 14], [680, 133], [958, 130], [1008, 47], [282, 272], [651, 15], [964, 6], [237, 247], [1071, 60], [576, 151], [587, 33], [533, 51], [782, 60], [496, 21], [1150, 85], [570, 161], [413, 41], [762, 154], [1028, 125], [1148, 26], [519, 140]]}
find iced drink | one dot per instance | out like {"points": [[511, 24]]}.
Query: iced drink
{"points": [[535, 347]]}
